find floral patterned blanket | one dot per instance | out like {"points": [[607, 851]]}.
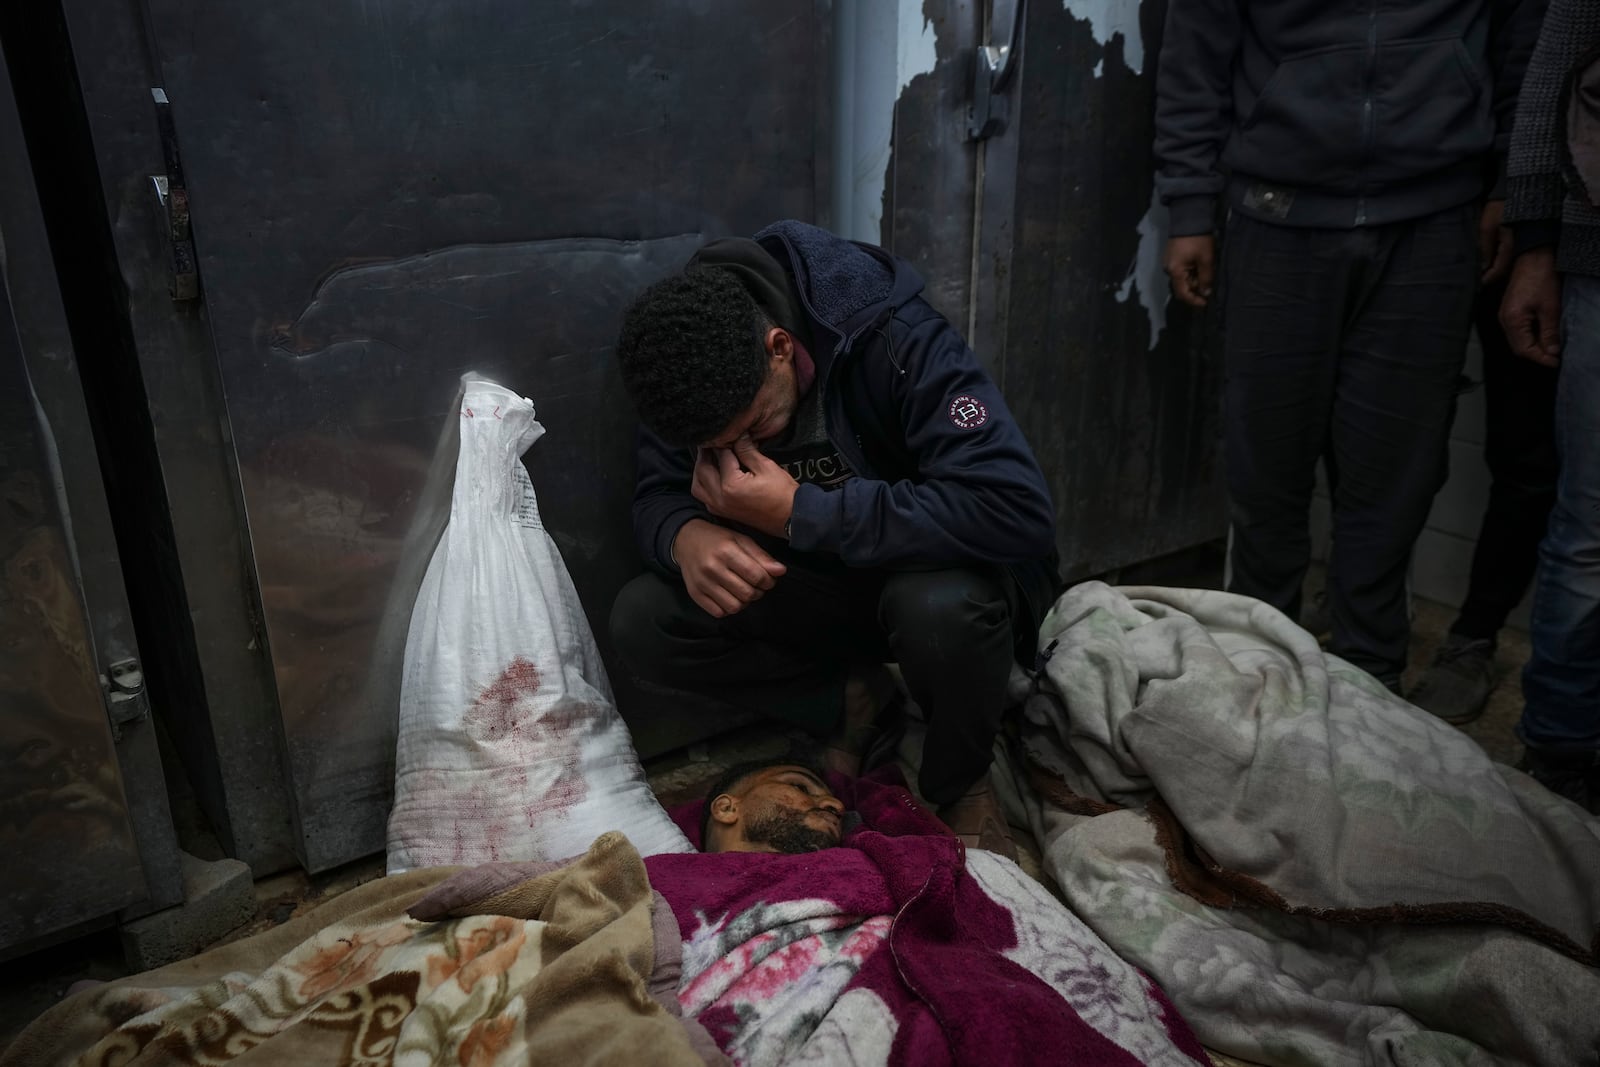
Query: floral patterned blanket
{"points": [[901, 947], [1314, 870], [898, 948], [584, 971]]}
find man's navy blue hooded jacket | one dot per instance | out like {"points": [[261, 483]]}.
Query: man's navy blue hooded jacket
{"points": [[943, 474]]}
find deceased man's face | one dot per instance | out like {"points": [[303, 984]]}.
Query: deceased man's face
{"points": [[777, 809]]}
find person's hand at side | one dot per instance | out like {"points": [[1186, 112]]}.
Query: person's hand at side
{"points": [[1191, 264], [723, 570], [1494, 242], [741, 484], [1530, 314]]}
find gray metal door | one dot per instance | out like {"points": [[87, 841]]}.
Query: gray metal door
{"points": [[384, 196], [71, 854], [83, 814], [1049, 191], [65, 820]]}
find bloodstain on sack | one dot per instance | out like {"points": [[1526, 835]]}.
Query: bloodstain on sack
{"points": [[503, 719], [558, 733], [564, 725], [495, 718]]}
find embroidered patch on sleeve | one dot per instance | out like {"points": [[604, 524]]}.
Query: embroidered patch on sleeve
{"points": [[968, 412]]}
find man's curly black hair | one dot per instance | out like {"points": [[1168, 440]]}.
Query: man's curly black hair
{"points": [[693, 354]]}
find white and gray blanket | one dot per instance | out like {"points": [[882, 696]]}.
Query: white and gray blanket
{"points": [[1315, 871]]}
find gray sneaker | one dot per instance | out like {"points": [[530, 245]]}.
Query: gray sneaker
{"points": [[1457, 686]]}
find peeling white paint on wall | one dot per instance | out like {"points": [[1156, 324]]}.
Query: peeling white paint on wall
{"points": [[886, 45], [915, 52], [914, 55], [1112, 18], [1108, 20], [1145, 275]]}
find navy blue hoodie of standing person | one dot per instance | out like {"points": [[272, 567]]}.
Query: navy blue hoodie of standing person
{"points": [[1336, 113], [943, 475]]}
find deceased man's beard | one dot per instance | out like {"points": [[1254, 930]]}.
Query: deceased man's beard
{"points": [[786, 830]]}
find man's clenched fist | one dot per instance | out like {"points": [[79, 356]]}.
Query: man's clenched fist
{"points": [[723, 570]]}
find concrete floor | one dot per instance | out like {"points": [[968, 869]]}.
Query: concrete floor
{"points": [[30, 985]]}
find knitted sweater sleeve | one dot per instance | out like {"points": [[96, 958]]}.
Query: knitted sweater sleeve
{"points": [[1535, 186]]}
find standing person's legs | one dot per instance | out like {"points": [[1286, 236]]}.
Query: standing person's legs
{"points": [[1520, 452], [786, 656], [1561, 684], [1395, 397], [1283, 294]]}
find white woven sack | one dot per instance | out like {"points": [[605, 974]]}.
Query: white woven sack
{"points": [[510, 745]]}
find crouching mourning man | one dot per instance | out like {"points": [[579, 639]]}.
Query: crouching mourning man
{"points": [[828, 481]]}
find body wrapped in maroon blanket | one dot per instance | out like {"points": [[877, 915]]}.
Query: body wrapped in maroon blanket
{"points": [[902, 947]]}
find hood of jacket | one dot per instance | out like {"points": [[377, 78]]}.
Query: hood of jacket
{"points": [[845, 286]]}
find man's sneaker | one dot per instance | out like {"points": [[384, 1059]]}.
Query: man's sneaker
{"points": [[1457, 686], [1570, 773]]}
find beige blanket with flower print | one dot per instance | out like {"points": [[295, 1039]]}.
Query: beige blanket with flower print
{"points": [[358, 982]]}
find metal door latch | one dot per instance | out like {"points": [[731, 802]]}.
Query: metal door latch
{"points": [[125, 694], [995, 64], [174, 196]]}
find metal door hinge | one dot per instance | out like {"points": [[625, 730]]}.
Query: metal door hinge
{"points": [[174, 196], [126, 702], [995, 64]]}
